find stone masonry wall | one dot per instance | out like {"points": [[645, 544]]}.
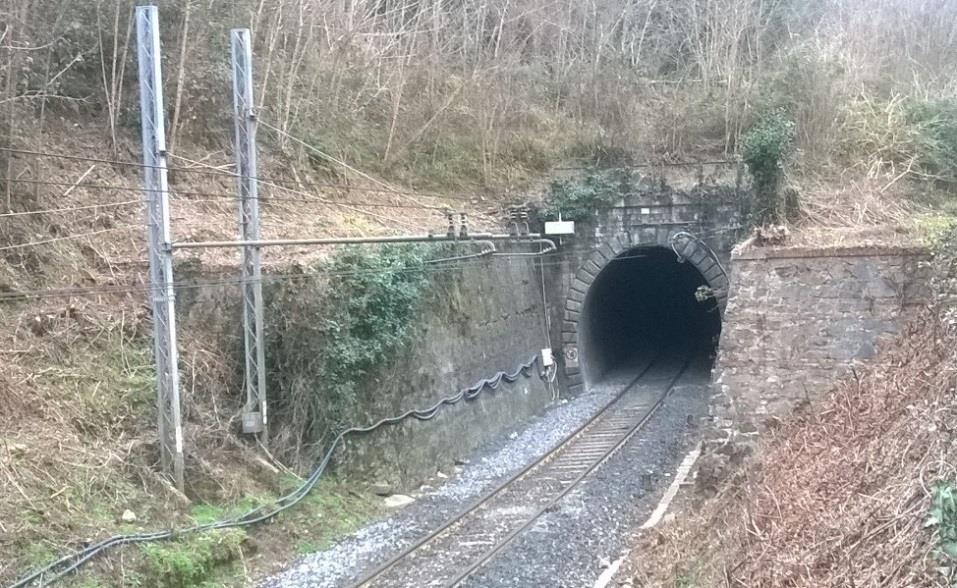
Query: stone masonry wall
{"points": [[797, 320], [648, 216]]}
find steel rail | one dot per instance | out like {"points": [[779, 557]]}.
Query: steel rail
{"points": [[389, 564], [495, 550]]}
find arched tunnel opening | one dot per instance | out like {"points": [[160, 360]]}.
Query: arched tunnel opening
{"points": [[642, 305]]}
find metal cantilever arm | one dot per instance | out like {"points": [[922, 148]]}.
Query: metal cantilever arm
{"points": [[488, 250], [550, 247]]}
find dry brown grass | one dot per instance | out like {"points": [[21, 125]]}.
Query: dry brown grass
{"points": [[839, 495], [77, 410]]}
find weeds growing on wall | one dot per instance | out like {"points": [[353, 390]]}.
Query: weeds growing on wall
{"points": [[766, 146], [325, 337], [578, 199]]}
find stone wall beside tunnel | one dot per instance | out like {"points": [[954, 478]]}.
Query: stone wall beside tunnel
{"points": [[476, 319], [798, 319]]}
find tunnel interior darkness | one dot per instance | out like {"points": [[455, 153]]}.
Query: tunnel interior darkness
{"points": [[642, 304]]}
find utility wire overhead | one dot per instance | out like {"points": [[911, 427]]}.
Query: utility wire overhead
{"points": [[299, 184], [211, 195], [211, 171], [71, 208], [68, 237], [296, 188], [430, 266]]}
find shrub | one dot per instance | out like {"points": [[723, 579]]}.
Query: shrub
{"points": [[935, 123], [943, 519], [578, 199], [326, 338], [765, 147]]}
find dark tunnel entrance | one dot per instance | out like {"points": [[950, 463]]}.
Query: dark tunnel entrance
{"points": [[643, 303]]}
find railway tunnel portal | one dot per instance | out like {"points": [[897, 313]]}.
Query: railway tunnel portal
{"points": [[646, 303], [639, 293]]}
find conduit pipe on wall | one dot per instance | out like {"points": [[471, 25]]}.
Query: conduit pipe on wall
{"points": [[549, 247]]}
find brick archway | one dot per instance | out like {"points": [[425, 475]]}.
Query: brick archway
{"points": [[600, 257]]}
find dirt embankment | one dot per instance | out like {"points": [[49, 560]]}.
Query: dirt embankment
{"points": [[840, 495], [78, 444]]}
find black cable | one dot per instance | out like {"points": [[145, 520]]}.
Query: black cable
{"points": [[70, 563]]}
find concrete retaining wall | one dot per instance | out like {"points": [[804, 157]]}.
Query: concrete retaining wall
{"points": [[475, 321]]}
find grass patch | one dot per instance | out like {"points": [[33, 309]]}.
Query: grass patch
{"points": [[192, 561], [934, 228], [209, 513], [331, 511], [307, 547], [689, 578]]}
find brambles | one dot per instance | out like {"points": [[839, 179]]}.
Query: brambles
{"points": [[935, 123], [943, 518]]}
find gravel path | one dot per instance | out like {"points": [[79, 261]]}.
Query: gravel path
{"points": [[489, 465], [570, 547]]}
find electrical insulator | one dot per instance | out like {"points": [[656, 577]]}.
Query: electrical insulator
{"points": [[517, 220], [450, 233], [463, 226], [523, 228]]}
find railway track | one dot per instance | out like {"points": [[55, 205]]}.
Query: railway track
{"points": [[463, 545]]}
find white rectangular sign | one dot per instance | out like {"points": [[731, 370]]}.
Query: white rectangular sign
{"points": [[547, 359], [560, 228]]}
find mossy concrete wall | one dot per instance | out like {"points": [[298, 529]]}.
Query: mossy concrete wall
{"points": [[476, 319], [799, 319]]}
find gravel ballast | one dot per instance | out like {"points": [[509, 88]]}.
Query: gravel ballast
{"points": [[494, 462], [593, 526]]}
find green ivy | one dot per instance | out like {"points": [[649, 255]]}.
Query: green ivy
{"points": [[326, 337], [943, 518], [766, 146], [578, 199]]}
